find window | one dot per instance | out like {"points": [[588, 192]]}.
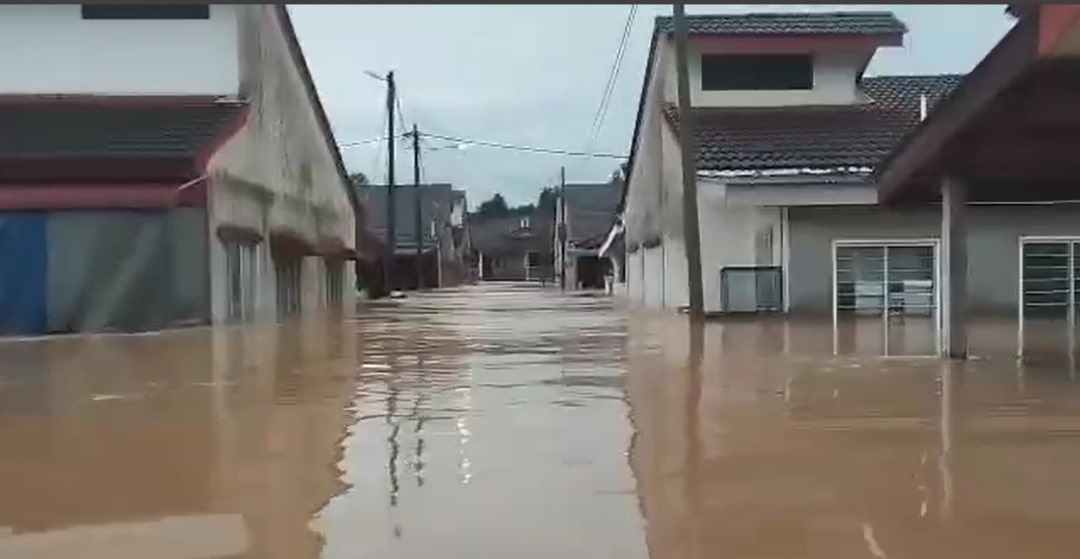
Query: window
{"points": [[756, 72], [240, 273], [288, 286], [146, 11], [532, 259], [335, 282], [524, 223]]}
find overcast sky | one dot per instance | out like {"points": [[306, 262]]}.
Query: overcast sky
{"points": [[534, 75]]}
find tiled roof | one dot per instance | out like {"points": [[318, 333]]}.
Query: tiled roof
{"points": [[815, 137], [805, 23], [435, 202], [77, 130], [591, 209]]}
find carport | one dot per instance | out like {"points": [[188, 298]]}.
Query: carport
{"points": [[1008, 134]]}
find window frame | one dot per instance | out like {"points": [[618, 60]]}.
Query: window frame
{"points": [[144, 12], [743, 76]]}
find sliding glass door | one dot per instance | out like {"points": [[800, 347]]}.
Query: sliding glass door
{"points": [[1049, 288], [885, 296]]}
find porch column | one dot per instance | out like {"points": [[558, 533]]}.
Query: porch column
{"points": [[954, 300]]}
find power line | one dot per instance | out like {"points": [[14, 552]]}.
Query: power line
{"points": [[530, 149], [613, 77]]}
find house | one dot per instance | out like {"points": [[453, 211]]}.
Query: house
{"points": [[788, 131], [512, 248], [163, 165], [444, 243], [991, 175], [588, 212]]}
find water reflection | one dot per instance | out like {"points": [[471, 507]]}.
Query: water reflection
{"points": [[794, 452], [504, 404], [504, 420], [190, 444]]}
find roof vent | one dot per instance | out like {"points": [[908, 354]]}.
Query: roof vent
{"points": [[922, 107]]}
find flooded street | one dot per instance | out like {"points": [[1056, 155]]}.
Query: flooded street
{"points": [[518, 421]]}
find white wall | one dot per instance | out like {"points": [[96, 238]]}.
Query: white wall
{"points": [[277, 172], [50, 49], [834, 83], [729, 234]]}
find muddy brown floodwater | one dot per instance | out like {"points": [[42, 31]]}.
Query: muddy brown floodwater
{"points": [[511, 421]]}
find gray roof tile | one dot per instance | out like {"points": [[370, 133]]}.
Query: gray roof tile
{"points": [[815, 136], [77, 130], [789, 23]]}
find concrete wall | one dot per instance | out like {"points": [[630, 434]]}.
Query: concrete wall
{"points": [[51, 49], [993, 253], [834, 82], [278, 171]]}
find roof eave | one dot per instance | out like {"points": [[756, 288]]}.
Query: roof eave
{"points": [[1005, 62]]}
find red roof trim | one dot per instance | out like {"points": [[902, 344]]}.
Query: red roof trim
{"points": [[235, 124], [101, 196]]}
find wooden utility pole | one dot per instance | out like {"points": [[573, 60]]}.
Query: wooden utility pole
{"points": [[691, 231], [562, 228], [417, 209], [391, 215]]}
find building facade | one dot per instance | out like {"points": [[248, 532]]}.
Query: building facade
{"points": [[788, 130], [191, 180], [513, 248]]}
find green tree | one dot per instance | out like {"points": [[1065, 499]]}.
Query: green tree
{"points": [[358, 179], [495, 207]]}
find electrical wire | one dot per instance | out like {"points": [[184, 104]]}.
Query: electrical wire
{"points": [[613, 77], [516, 147]]}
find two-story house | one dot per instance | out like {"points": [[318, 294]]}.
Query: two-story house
{"points": [[787, 133], [161, 165], [512, 248]]}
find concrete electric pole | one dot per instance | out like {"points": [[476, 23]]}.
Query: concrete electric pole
{"points": [[391, 230], [691, 231], [417, 209], [562, 228]]}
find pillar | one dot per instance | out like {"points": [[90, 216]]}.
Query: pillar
{"points": [[954, 246]]}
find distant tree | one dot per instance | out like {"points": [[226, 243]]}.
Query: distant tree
{"points": [[495, 207], [358, 179], [546, 203]]}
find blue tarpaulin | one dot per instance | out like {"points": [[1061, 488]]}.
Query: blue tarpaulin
{"points": [[23, 269]]}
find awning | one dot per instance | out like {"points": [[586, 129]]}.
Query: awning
{"points": [[285, 242], [241, 234], [1009, 130]]}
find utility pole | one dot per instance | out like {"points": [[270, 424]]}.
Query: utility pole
{"points": [[391, 215], [691, 231], [562, 228], [416, 208]]}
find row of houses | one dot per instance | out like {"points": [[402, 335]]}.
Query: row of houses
{"points": [[164, 165], [825, 191]]}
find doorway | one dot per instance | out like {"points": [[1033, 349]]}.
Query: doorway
{"points": [[1049, 286], [886, 298]]}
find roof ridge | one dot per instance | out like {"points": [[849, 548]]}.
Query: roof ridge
{"points": [[792, 13]]}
